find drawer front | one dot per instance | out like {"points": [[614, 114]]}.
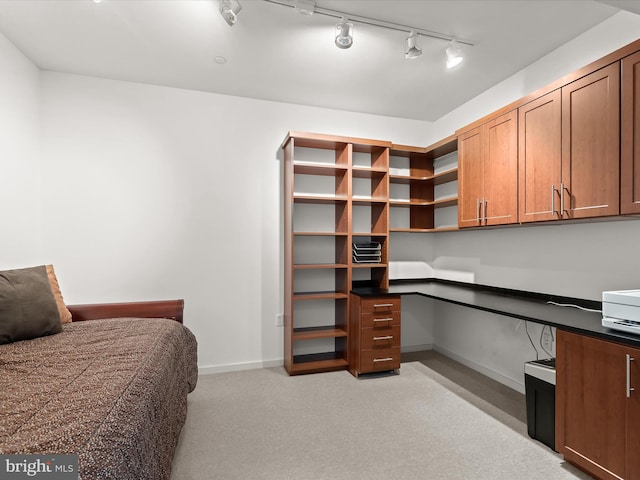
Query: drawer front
{"points": [[381, 320], [378, 360], [380, 338], [380, 305]]}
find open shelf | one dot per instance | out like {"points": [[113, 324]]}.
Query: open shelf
{"points": [[317, 362], [325, 295], [312, 333]]}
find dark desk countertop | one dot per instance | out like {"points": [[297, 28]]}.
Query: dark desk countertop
{"points": [[528, 306]]}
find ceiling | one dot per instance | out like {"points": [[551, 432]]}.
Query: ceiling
{"points": [[273, 53]]}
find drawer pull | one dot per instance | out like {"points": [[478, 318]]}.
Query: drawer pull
{"points": [[383, 319], [387, 337], [381, 305], [388, 359]]}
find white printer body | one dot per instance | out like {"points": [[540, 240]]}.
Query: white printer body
{"points": [[621, 310]]}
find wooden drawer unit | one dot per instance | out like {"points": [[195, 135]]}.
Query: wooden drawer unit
{"points": [[374, 334]]}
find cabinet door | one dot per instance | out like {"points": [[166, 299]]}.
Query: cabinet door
{"points": [[500, 168], [591, 144], [540, 158], [590, 404], [633, 416], [470, 177], [630, 154]]}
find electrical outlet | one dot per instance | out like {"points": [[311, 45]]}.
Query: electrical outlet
{"points": [[279, 320], [547, 340]]}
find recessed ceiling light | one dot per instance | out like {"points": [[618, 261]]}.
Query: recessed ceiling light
{"points": [[220, 60]]}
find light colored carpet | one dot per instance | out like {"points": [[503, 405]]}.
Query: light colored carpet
{"points": [[263, 424]]}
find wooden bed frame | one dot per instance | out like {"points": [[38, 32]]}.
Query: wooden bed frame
{"points": [[172, 309]]}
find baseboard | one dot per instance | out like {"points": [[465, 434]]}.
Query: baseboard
{"points": [[237, 367], [517, 386], [416, 348]]}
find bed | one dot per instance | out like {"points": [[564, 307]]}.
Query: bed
{"points": [[111, 386]]}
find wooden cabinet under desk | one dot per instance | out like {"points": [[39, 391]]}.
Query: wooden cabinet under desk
{"points": [[374, 334], [598, 405]]}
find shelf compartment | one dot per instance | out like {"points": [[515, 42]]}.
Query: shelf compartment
{"points": [[323, 295], [311, 168], [322, 249], [312, 333], [441, 203], [311, 266], [437, 179], [368, 201], [317, 362], [366, 172], [320, 234], [446, 176]]}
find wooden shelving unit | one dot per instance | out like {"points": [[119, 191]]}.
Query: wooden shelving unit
{"points": [[336, 190], [422, 177]]}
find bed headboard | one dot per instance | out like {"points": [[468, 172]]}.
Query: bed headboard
{"points": [[172, 309]]}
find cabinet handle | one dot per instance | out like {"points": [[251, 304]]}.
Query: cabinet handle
{"points": [[553, 199], [484, 210], [388, 359], [383, 319], [380, 305], [479, 211], [629, 388], [562, 210], [388, 337]]}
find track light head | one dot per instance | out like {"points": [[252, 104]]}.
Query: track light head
{"points": [[455, 55], [344, 34], [413, 48], [229, 10]]}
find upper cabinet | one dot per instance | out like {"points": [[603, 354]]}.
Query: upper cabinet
{"points": [[591, 145], [630, 154], [540, 158], [569, 150], [488, 173]]}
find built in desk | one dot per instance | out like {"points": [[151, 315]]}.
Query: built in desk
{"points": [[522, 305]]}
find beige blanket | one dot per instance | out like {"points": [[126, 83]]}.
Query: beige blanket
{"points": [[113, 391]]}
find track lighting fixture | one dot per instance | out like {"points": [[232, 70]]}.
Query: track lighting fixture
{"points": [[455, 54], [344, 34], [413, 48], [344, 29], [229, 10], [305, 7]]}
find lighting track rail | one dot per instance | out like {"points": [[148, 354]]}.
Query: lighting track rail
{"points": [[376, 22]]}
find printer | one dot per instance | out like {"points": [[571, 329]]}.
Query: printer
{"points": [[621, 310]]}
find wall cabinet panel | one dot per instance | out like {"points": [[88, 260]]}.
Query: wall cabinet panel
{"points": [[598, 405], [540, 158], [591, 145], [630, 154], [488, 173]]}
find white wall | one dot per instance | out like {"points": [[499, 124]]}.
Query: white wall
{"points": [[577, 260], [156, 192], [20, 198]]}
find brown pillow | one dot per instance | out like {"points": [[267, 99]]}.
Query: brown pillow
{"points": [[65, 314], [27, 306]]}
